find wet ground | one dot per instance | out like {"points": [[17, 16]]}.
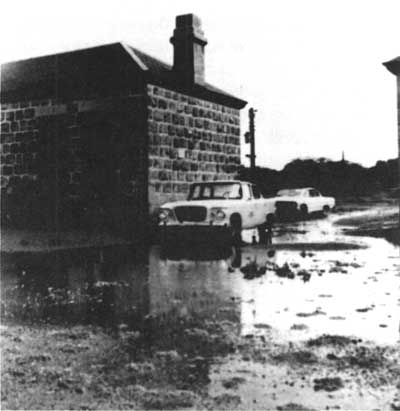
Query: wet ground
{"points": [[308, 323]]}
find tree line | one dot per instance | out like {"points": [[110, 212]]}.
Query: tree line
{"points": [[341, 179]]}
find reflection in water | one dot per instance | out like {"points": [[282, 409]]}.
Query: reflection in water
{"points": [[114, 285], [155, 307], [93, 285], [233, 254], [339, 284], [196, 253], [190, 287], [153, 290]]}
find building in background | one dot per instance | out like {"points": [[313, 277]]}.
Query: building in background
{"points": [[394, 67], [102, 136]]}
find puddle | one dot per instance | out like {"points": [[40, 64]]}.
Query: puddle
{"points": [[281, 301], [122, 285], [194, 313]]}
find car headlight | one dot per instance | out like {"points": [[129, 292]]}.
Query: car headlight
{"points": [[164, 215], [217, 214]]}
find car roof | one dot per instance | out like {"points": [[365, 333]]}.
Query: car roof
{"points": [[221, 182], [298, 188]]}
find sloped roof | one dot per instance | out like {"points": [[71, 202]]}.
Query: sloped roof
{"points": [[393, 66], [112, 65], [162, 70]]}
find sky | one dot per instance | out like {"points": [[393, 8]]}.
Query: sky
{"points": [[311, 68]]}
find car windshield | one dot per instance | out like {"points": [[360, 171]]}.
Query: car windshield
{"points": [[213, 191], [289, 192]]}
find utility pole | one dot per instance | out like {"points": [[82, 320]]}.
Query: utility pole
{"points": [[249, 138]]}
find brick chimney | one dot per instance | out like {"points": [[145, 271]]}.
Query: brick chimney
{"points": [[188, 41]]}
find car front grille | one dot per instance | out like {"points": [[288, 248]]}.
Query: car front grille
{"points": [[194, 214]]}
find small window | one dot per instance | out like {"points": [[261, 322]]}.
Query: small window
{"points": [[314, 193]]}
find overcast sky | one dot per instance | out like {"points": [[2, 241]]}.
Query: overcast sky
{"points": [[312, 68]]}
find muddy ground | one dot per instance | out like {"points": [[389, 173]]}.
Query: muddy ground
{"points": [[309, 323]]}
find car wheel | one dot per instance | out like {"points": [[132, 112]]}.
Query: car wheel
{"points": [[236, 228], [325, 210], [270, 218], [303, 211]]}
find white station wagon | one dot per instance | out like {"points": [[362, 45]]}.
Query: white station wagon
{"points": [[293, 202], [232, 205]]}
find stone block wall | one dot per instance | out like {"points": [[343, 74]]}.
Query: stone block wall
{"points": [[19, 143], [189, 139], [71, 162]]}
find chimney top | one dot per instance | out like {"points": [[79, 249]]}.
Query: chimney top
{"points": [[187, 19], [189, 24], [189, 42]]}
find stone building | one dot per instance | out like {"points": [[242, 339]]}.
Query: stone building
{"points": [[106, 134]]}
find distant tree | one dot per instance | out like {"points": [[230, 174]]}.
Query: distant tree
{"points": [[336, 178]]}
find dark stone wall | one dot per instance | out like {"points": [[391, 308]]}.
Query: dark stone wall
{"points": [[79, 163], [105, 162], [190, 139]]}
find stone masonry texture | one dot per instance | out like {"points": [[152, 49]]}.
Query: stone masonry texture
{"points": [[67, 162], [89, 159], [189, 140]]}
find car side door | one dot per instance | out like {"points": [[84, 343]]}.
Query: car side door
{"points": [[320, 200], [260, 206], [247, 207], [315, 200]]}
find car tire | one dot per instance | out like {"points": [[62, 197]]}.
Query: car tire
{"points": [[236, 229], [271, 218]]}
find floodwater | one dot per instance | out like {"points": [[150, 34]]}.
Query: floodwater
{"points": [[270, 302], [350, 286]]}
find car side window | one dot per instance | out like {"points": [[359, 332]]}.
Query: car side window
{"points": [[314, 193], [256, 192], [206, 192], [246, 192], [195, 193]]}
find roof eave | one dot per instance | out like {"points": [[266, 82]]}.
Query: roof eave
{"points": [[201, 92], [234, 102], [134, 56]]}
